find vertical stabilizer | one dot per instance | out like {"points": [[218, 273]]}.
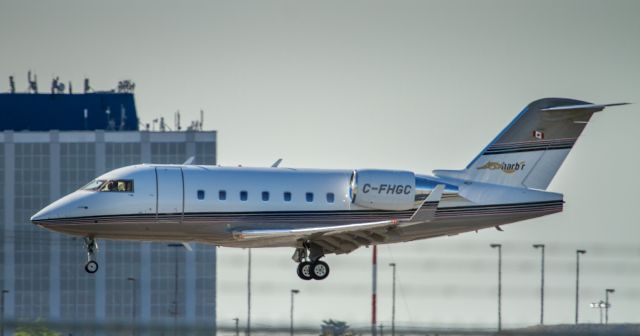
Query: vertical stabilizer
{"points": [[531, 149]]}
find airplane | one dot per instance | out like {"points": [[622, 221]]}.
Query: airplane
{"points": [[319, 212]]}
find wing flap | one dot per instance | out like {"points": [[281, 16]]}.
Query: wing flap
{"points": [[313, 232]]}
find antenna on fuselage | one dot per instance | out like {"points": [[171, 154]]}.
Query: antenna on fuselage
{"points": [[189, 161], [277, 163]]}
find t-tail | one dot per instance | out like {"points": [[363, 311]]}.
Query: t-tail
{"points": [[531, 149]]}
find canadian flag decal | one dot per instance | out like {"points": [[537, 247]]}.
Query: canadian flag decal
{"points": [[538, 134]]}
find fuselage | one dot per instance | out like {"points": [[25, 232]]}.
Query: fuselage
{"points": [[208, 203]]}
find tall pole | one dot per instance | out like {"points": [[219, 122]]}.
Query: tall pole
{"points": [[499, 247], [175, 288], [606, 304], [541, 247], [578, 253], [237, 320], [249, 295], [601, 305], [293, 291], [374, 283], [4, 291], [175, 295], [393, 300], [133, 305], [598, 305]]}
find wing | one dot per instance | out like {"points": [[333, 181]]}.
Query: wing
{"points": [[346, 238]]}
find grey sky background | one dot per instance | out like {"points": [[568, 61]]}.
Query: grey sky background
{"points": [[414, 85]]}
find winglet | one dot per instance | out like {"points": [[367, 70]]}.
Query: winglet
{"points": [[277, 163], [187, 246], [189, 160], [428, 208]]}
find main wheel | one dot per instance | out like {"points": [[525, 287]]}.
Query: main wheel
{"points": [[304, 270], [91, 267], [319, 270]]}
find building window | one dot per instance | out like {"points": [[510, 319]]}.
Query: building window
{"points": [[243, 195], [330, 198], [287, 196], [222, 195], [309, 197], [265, 196], [200, 194]]}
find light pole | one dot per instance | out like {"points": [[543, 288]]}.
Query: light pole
{"points": [[293, 291], [541, 247], [598, 305], [393, 300], [374, 288], [237, 320], [606, 304], [4, 291], [499, 247], [578, 253], [133, 305], [175, 289], [249, 294]]}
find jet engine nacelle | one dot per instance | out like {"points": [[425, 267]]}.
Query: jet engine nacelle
{"points": [[383, 189]]}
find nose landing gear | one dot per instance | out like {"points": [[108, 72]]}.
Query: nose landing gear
{"points": [[92, 248], [311, 267]]}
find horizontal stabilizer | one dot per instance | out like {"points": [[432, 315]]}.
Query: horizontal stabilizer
{"points": [[598, 107]]}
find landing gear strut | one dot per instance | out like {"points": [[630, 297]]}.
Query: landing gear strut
{"points": [[92, 248], [310, 267]]}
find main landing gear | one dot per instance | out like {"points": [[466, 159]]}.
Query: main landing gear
{"points": [[92, 248], [311, 267]]}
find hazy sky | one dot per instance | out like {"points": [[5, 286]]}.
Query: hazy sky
{"points": [[414, 85]]}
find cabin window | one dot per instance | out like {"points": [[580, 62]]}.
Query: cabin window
{"points": [[222, 195], [287, 196], [330, 198], [265, 196], [309, 197], [200, 194], [244, 195]]}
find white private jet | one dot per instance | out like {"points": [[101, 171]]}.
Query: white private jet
{"points": [[319, 212]]}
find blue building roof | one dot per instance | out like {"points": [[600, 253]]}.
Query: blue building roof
{"points": [[66, 112]]}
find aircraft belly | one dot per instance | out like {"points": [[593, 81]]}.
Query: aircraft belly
{"points": [[217, 228]]}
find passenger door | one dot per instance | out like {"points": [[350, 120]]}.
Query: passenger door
{"points": [[170, 194]]}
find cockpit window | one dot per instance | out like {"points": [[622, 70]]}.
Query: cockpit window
{"points": [[118, 185], [110, 186], [93, 185]]}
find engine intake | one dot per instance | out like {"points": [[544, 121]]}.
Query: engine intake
{"points": [[383, 189]]}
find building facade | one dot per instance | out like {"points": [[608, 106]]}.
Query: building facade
{"points": [[151, 283]]}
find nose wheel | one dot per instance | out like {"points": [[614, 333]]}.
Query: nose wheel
{"points": [[92, 248], [91, 266], [312, 269]]}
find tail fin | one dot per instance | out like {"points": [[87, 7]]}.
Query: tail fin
{"points": [[531, 149]]}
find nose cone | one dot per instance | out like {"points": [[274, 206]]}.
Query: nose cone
{"points": [[45, 213], [60, 209]]}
